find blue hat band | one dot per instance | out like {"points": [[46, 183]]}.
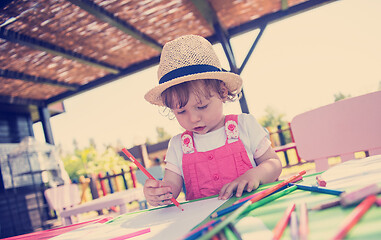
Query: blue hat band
{"points": [[188, 70]]}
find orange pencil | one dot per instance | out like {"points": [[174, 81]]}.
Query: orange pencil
{"points": [[268, 191], [255, 194], [281, 225], [132, 158], [355, 216]]}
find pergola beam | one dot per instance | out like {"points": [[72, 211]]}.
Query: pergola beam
{"points": [[108, 17], [25, 40], [29, 78]]}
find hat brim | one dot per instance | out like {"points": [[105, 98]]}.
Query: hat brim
{"points": [[232, 81]]}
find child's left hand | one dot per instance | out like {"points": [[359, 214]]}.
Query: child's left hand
{"points": [[246, 182]]}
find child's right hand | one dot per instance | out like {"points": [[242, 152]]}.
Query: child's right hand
{"points": [[157, 192]]}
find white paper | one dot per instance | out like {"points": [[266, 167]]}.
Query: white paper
{"points": [[165, 223], [354, 173]]}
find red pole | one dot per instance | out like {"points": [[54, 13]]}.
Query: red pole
{"points": [[133, 176], [103, 186]]}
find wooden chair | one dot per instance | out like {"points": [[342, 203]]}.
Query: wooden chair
{"points": [[65, 201], [339, 129], [62, 198]]}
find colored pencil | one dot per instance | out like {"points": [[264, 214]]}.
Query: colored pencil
{"points": [[256, 204], [235, 214], [317, 189], [269, 199], [235, 234], [268, 191], [355, 216], [232, 217], [294, 228], [260, 195], [303, 222], [197, 232], [132, 158], [329, 204], [347, 199], [215, 237], [378, 201], [281, 225], [253, 195], [320, 181]]}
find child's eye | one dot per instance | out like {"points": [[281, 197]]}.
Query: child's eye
{"points": [[180, 112], [203, 107]]}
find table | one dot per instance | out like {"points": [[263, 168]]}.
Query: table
{"points": [[164, 223]]}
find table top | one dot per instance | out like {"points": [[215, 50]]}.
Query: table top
{"points": [[259, 223]]}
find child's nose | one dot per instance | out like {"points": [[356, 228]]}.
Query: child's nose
{"points": [[195, 117]]}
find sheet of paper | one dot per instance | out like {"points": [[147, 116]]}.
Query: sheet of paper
{"points": [[164, 223], [354, 173]]}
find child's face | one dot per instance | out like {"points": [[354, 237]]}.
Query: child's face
{"points": [[201, 115]]}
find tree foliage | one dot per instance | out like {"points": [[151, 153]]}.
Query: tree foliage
{"points": [[273, 120], [340, 96], [89, 160]]}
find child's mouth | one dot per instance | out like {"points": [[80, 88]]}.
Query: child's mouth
{"points": [[198, 129]]}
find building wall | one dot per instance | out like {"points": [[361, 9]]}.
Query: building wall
{"points": [[14, 126]]}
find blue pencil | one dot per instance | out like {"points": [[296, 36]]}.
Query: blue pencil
{"points": [[200, 231], [261, 202], [317, 189]]}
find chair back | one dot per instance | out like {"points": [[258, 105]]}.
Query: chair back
{"points": [[339, 129], [62, 197], [156, 171]]}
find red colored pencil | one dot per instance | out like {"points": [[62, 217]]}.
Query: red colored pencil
{"points": [[255, 194], [281, 225], [132, 158], [268, 191], [355, 216]]}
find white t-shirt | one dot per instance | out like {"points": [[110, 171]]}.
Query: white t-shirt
{"points": [[251, 133]]}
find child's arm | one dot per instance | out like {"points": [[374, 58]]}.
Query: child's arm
{"points": [[267, 170], [160, 192]]}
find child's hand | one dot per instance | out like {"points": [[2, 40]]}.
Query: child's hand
{"points": [[246, 181], [157, 193]]}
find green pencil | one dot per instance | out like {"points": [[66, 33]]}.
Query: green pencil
{"points": [[245, 208], [270, 198]]}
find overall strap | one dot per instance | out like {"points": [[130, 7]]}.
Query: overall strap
{"points": [[187, 142], [231, 127]]}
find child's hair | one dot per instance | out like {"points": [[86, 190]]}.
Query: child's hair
{"points": [[177, 96]]}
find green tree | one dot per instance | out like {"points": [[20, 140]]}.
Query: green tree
{"points": [[272, 119], [88, 160], [162, 135], [340, 96]]}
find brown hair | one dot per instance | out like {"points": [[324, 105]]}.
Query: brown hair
{"points": [[177, 96]]}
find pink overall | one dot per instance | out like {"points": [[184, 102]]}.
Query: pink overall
{"points": [[206, 172]]}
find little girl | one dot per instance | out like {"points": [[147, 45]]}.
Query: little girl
{"points": [[217, 154]]}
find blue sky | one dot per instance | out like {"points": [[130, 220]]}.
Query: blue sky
{"points": [[298, 64]]}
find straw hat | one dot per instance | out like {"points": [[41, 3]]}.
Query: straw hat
{"points": [[188, 58]]}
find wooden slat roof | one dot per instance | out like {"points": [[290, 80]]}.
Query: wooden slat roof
{"points": [[51, 50]]}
